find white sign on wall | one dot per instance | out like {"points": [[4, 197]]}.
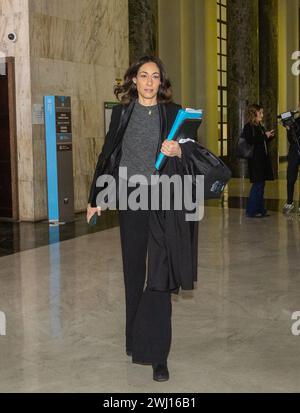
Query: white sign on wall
{"points": [[2, 63], [108, 106], [2, 324], [38, 114]]}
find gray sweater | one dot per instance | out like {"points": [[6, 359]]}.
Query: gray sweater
{"points": [[140, 141]]}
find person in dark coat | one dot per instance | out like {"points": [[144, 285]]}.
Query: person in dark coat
{"points": [[260, 167], [138, 131], [293, 135]]}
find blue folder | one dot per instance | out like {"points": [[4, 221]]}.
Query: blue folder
{"points": [[184, 116]]}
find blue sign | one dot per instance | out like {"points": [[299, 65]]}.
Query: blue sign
{"points": [[51, 158]]}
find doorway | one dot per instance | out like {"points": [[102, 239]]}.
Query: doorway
{"points": [[8, 147]]}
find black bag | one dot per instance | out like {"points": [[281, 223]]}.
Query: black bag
{"points": [[244, 149], [200, 161]]}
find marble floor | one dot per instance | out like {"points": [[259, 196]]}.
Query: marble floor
{"points": [[63, 304], [17, 237], [22, 236]]}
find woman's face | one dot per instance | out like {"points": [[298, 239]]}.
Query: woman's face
{"points": [[148, 80], [259, 115]]}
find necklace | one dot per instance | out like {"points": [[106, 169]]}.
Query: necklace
{"points": [[150, 112]]}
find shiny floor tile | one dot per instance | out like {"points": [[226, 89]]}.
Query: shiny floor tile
{"points": [[16, 237], [64, 308], [22, 236]]}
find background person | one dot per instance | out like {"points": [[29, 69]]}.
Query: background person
{"points": [[293, 135], [260, 168]]}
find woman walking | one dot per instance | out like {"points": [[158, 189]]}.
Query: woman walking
{"points": [[137, 133]]}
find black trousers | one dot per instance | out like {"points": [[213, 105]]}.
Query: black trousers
{"points": [[292, 173], [148, 313]]}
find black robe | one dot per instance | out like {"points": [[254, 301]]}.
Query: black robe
{"points": [[173, 243]]}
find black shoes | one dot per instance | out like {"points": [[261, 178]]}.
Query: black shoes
{"points": [[160, 372]]}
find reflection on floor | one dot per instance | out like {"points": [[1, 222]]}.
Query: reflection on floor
{"points": [[16, 237], [273, 190], [64, 308]]}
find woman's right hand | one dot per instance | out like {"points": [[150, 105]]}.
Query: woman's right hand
{"points": [[270, 134], [91, 211]]}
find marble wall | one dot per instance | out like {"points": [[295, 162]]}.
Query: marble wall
{"points": [[143, 28], [268, 71], [66, 47], [77, 48], [242, 71], [14, 18]]}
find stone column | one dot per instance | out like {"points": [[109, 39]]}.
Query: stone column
{"points": [[243, 71], [143, 28], [268, 70]]}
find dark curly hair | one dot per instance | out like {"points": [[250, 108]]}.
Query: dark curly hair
{"points": [[128, 90]]}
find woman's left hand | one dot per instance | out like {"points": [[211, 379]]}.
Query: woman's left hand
{"points": [[171, 149]]}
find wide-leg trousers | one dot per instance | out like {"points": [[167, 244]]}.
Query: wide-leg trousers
{"points": [[148, 313], [256, 203]]}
